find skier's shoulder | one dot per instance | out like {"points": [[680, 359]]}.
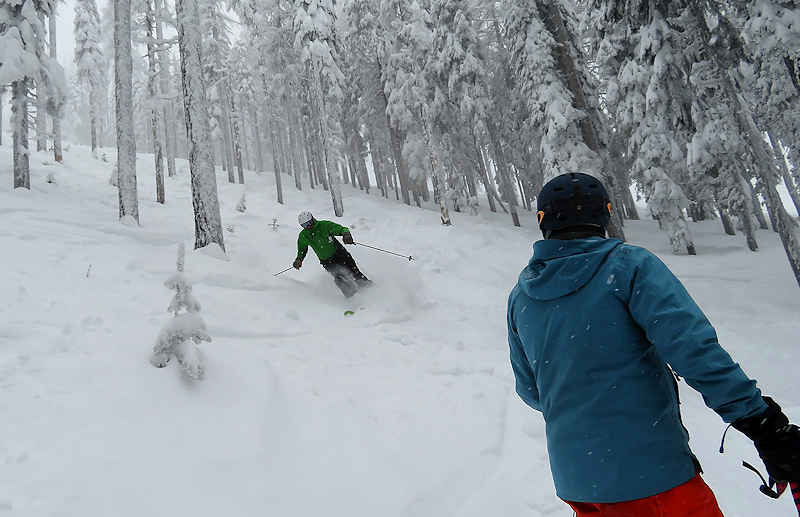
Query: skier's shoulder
{"points": [[330, 225], [637, 263], [631, 255]]}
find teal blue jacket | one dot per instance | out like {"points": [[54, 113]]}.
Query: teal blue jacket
{"points": [[592, 325]]}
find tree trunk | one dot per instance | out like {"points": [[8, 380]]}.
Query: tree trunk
{"points": [[19, 117], [275, 161], [307, 150], [2, 105], [755, 205], [93, 119], [396, 138], [749, 232], [258, 141], [155, 123], [126, 137], [491, 193], [777, 149], [295, 147], [764, 166], [727, 223], [207, 221], [506, 190], [376, 158], [164, 84], [725, 216], [41, 102], [225, 127], [331, 172], [41, 116], [237, 140], [58, 154]]}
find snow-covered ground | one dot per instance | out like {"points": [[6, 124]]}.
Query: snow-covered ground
{"points": [[404, 409]]}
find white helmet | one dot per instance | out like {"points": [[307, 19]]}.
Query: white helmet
{"points": [[304, 218]]}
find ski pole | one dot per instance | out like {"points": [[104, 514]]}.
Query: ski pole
{"points": [[780, 487], [282, 272], [409, 257]]}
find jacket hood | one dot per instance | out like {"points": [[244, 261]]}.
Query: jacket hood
{"points": [[559, 268]]}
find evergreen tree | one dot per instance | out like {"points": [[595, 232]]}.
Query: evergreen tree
{"points": [[208, 223], [179, 338], [89, 60], [123, 89], [23, 63], [315, 37]]}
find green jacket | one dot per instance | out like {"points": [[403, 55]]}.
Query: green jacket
{"points": [[320, 238]]}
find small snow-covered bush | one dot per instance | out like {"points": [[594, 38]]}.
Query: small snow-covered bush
{"points": [[181, 335]]}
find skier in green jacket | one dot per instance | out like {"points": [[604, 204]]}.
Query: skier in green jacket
{"points": [[320, 235]]}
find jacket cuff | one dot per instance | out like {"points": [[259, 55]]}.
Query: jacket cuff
{"points": [[764, 424]]}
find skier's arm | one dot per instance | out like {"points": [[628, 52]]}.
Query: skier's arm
{"points": [[686, 340], [525, 380], [302, 247]]}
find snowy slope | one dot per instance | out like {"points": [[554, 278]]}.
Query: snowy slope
{"points": [[405, 409]]}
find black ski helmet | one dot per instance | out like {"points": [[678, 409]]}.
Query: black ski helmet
{"points": [[573, 199]]}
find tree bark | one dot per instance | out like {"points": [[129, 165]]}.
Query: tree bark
{"points": [[275, 161], [41, 103], [331, 172], [755, 205], [225, 127], [258, 141], [506, 190], [236, 134], [2, 94], [155, 123], [208, 224], [727, 223], [307, 150], [19, 117], [58, 153], [777, 149], [294, 145], [126, 139], [164, 84]]}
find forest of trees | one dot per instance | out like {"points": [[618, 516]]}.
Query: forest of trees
{"points": [[434, 103]]}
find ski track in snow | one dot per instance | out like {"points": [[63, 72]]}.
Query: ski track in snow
{"points": [[406, 408]]}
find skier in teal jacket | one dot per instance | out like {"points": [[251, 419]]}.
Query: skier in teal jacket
{"points": [[321, 236], [594, 326]]}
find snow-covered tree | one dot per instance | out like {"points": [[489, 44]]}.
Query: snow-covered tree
{"points": [[89, 60], [551, 75], [315, 37], [181, 335], [723, 48], [58, 153], [23, 63], [123, 88], [208, 223]]}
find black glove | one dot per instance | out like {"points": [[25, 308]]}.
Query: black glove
{"points": [[348, 238], [298, 263], [777, 441]]}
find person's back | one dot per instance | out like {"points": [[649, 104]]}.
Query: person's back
{"points": [[580, 310], [593, 324]]}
